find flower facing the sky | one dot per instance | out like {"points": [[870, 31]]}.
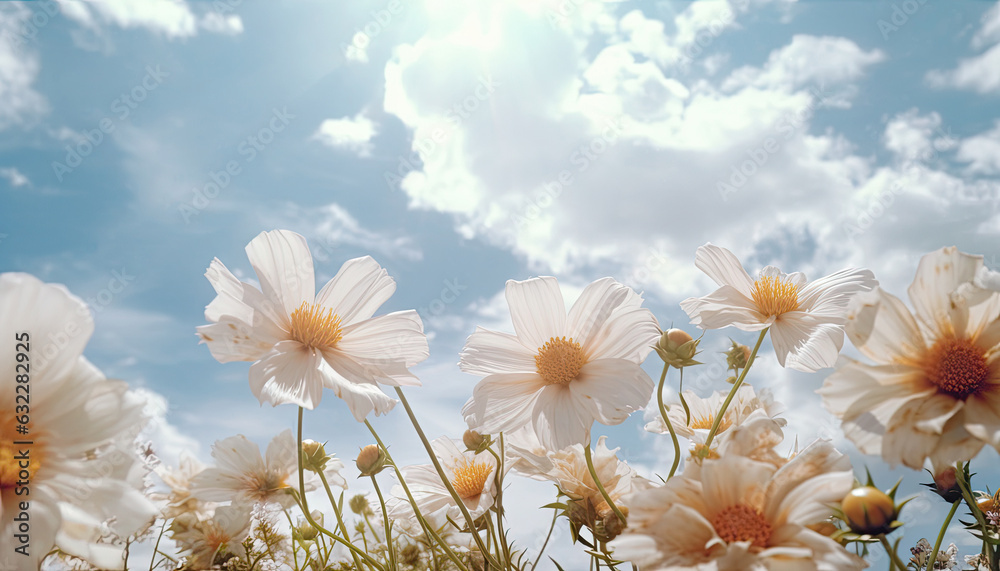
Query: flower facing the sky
{"points": [[242, 475], [74, 429], [934, 390], [560, 372], [805, 319], [301, 341], [735, 514], [472, 475]]}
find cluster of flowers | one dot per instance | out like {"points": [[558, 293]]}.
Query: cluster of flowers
{"points": [[932, 397]]}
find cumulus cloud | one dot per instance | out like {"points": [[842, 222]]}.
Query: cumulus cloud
{"points": [[982, 152], [174, 19], [979, 73], [352, 134], [19, 102], [14, 177]]}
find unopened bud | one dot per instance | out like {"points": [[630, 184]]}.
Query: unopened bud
{"points": [[676, 347], [359, 504], [410, 555], [946, 485], [476, 442], [305, 529], [737, 356], [371, 460], [612, 525], [869, 510], [314, 456]]}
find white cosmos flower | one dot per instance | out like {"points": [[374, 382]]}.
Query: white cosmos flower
{"points": [[746, 406], [736, 514], [806, 319], [244, 476], [472, 475], [200, 540], [81, 430], [934, 390], [300, 340], [559, 373], [179, 500]]}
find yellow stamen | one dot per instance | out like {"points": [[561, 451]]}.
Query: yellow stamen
{"points": [[774, 296], [559, 360], [470, 478], [705, 422], [742, 523], [18, 463], [315, 327]]}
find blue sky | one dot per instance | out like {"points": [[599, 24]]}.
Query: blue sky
{"points": [[433, 136]]}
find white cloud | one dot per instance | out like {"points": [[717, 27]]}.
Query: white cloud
{"points": [[14, 177], [215, 22], [347, 133], [173, 19], [980, 73], [19, 102], [989, 32], [358, 49], [982, 152], [909, 135]]}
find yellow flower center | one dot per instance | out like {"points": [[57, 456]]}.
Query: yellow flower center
{"points": [[705, 422], [742, 523], [18, 462], [559, 361], [315, 327], [774, 296], [263, 487], [469, 478], [957, 367]]}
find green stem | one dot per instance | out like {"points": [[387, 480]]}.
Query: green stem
{"points": [[600, 486], [388, 525], [555, 516], [428, 529], [337, 512], [304, 504], [894, 562], [498, 482], [295, 552], [732, 393], [157, 546], [666, 420], [940, 537], [680, 393], [974, 508], [447, 483]]}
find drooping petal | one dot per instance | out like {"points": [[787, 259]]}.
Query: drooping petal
{"points": [[804, 342], [613, 389], [289, 373], [537, 309], [724, 268], [489, 352], [354, 383], [357, 291], [560, 419], [503, 402], [284, 267]]}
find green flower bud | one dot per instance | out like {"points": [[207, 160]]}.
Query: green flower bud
{"points": [[869, 510], [359, 504], [737, 356], [476, 442], [677, 348], [314, 456], [371, 460]]}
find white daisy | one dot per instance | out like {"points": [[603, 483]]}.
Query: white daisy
{"points": [[73, 462], [199, 540], [806, 319], [934, 390], [559, 373], [472, 475], [244, 476], [300, 340], [746, 405], [736, 514]]}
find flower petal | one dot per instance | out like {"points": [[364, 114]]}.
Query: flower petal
{"points": [[613, 389], [915, 429], [724, 307], [806, 343], [489, 352], [289, 373], [358, 290], [882, 328], [599, 300], [831, 294], [982, 415], [560, 419], [724, 268], [353, 382], [503, 402], [939, 275], [284, 267], [391, 343], [537, 309], [232, 340]]}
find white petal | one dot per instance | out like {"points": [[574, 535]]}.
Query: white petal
{"points": [[982, 415], [353, 383], [560, 419], [882, 328], [724, 267], [831, 294], [232, 340], [594, 307], [733, 480], [537, 309], [613, 389], [724, 307], [489, 352], [940, 274], [630, 334], [283, 454], [358, 290], [289, 373], [284, 267], [503, 402], [806, 343], [390, 343], [914, 430]]}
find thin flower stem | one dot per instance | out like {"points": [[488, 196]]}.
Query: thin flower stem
{"points": [[295, 552], [555, 516], [974, 508], [894, 562], [304, 504], [680, 393], [157, 546], [498, 482], [940, 537], [391, 552], [732, 393], [447, 483], [428, 529], [600, 486], [666, 420], [336, 510]]}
